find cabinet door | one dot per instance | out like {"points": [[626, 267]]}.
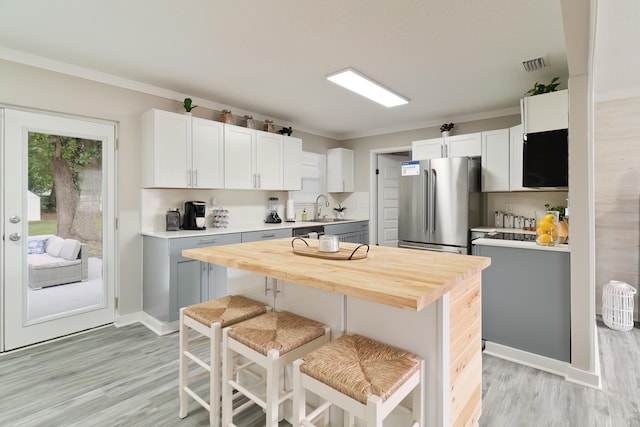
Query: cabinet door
{"points": [[469, 145], [292, 163], [548, 111], [269, 157], [239, 161], [340, 170], [207, 153], [427, 149], [165, 148], [189, 285], [495, 160]]}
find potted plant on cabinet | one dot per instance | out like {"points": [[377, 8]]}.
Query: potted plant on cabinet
{"points": [[539, 88], [188, 105], [446, 129]]}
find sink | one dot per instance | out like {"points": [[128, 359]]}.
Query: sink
{"points": [[326, 220]]}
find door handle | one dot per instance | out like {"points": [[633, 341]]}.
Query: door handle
{"points": [[14, 237], [14, 219]]}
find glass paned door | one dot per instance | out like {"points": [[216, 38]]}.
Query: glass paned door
{"points": [[58, 207]]}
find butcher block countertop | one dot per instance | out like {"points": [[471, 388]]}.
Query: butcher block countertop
{"points": [[404, 278]]}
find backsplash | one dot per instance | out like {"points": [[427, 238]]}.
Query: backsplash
{"points": [[523, 203], [246, 207]]}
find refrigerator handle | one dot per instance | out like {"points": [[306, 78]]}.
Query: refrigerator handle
{"points": [[433, 201], [427, 213]]}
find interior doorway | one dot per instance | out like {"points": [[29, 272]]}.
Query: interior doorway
{"points": [[385, 179], [58, 204]]}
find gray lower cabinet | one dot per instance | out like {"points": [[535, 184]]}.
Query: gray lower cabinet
{"points": [[171, 281], [354, 232], [526, 300]]}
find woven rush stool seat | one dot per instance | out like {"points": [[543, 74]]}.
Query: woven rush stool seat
{"points": [[365, 378], [270, 341], [208, 318]]}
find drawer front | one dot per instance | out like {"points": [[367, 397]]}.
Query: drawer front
{"points": [[254, 236], [349, 227], [177, 245]]}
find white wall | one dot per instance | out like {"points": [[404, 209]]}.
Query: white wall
{"points": [[31, 87]]}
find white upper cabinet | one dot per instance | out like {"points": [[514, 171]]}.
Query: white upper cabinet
{"points": [[426, 149], [469, 145], [239, 160], [292, 162], [495, 160], [179, 151], [269, 158], [340, 170], [166, 139], [548, 111], [207, 153]]}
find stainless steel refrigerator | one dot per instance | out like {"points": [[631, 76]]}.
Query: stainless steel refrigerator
{"points": [[439, 201]]}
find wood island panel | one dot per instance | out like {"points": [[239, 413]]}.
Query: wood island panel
{"points": [[403, 278]]}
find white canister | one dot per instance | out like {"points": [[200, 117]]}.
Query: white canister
{"points": [[329, 244]]}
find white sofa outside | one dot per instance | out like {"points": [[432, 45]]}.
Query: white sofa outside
{"points": [[56, 261]]}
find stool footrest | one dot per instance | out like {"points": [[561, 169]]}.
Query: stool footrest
{"points": [[249, 394], [197, 398], [197, 360]]}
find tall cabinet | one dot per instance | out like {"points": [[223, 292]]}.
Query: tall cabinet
{"points": [[340, 170]]}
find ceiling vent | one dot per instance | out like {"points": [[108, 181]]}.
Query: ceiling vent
{"points": [[535, 64]]}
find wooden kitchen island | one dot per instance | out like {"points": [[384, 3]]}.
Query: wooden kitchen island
{"points": [[425, 302]]}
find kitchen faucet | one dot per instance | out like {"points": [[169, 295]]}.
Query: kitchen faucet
{"points": [[316, 213]]}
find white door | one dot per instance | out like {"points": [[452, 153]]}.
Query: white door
{"points": [[388, 178], [34, 307]]}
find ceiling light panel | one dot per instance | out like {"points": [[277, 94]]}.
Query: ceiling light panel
{"points": [[362, 85]]}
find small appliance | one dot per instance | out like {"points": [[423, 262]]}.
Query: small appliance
{"points": [[173, 220], [272, 216], [194, 213]]}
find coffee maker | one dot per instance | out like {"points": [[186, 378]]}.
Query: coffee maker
{"points": [[272, 216], [194, 213]]}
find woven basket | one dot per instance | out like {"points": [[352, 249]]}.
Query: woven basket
{"points": [[617, 305]]}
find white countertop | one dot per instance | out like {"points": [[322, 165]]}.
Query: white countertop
{"points": [[240, 228], [520, 245], [515, 243]]}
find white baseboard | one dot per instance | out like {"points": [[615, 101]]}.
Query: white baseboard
{"points": [[157, 326], [127, 319], [553, 366], [536, 361]]}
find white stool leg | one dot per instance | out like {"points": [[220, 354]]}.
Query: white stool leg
{"points": [[417, 408], [183, 367], [214, 376], [299, 395], [227, 373], [374, 407], [273, 388]]}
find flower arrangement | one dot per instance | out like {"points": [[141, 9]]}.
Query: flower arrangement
{"points": [[446, 127]]}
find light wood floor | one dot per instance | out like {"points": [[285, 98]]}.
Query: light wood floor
{"points": [[129, 377]]}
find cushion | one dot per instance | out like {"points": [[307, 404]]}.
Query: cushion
{"points": [[36, 246], [70, 249], [54, 245]]}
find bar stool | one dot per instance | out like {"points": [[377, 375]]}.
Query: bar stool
{"points": [[365, 378], [208, 318], [270, 341]]}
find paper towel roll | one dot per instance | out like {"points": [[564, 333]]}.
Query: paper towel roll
{"points": [[290, 213]]}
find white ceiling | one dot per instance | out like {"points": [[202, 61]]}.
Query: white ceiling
{"points": [[454, 59]]}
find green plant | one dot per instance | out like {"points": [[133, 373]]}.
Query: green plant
{"points": [[188, 105], [560, 209], [339, 208], [446, 127], [540, 88]]}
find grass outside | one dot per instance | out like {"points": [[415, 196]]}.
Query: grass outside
{"points": [[49, 225]]}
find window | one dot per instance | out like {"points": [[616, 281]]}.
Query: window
{"points": [[314, 167]]}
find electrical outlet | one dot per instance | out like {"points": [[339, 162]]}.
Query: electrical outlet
{"points": [[509, 208]]}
